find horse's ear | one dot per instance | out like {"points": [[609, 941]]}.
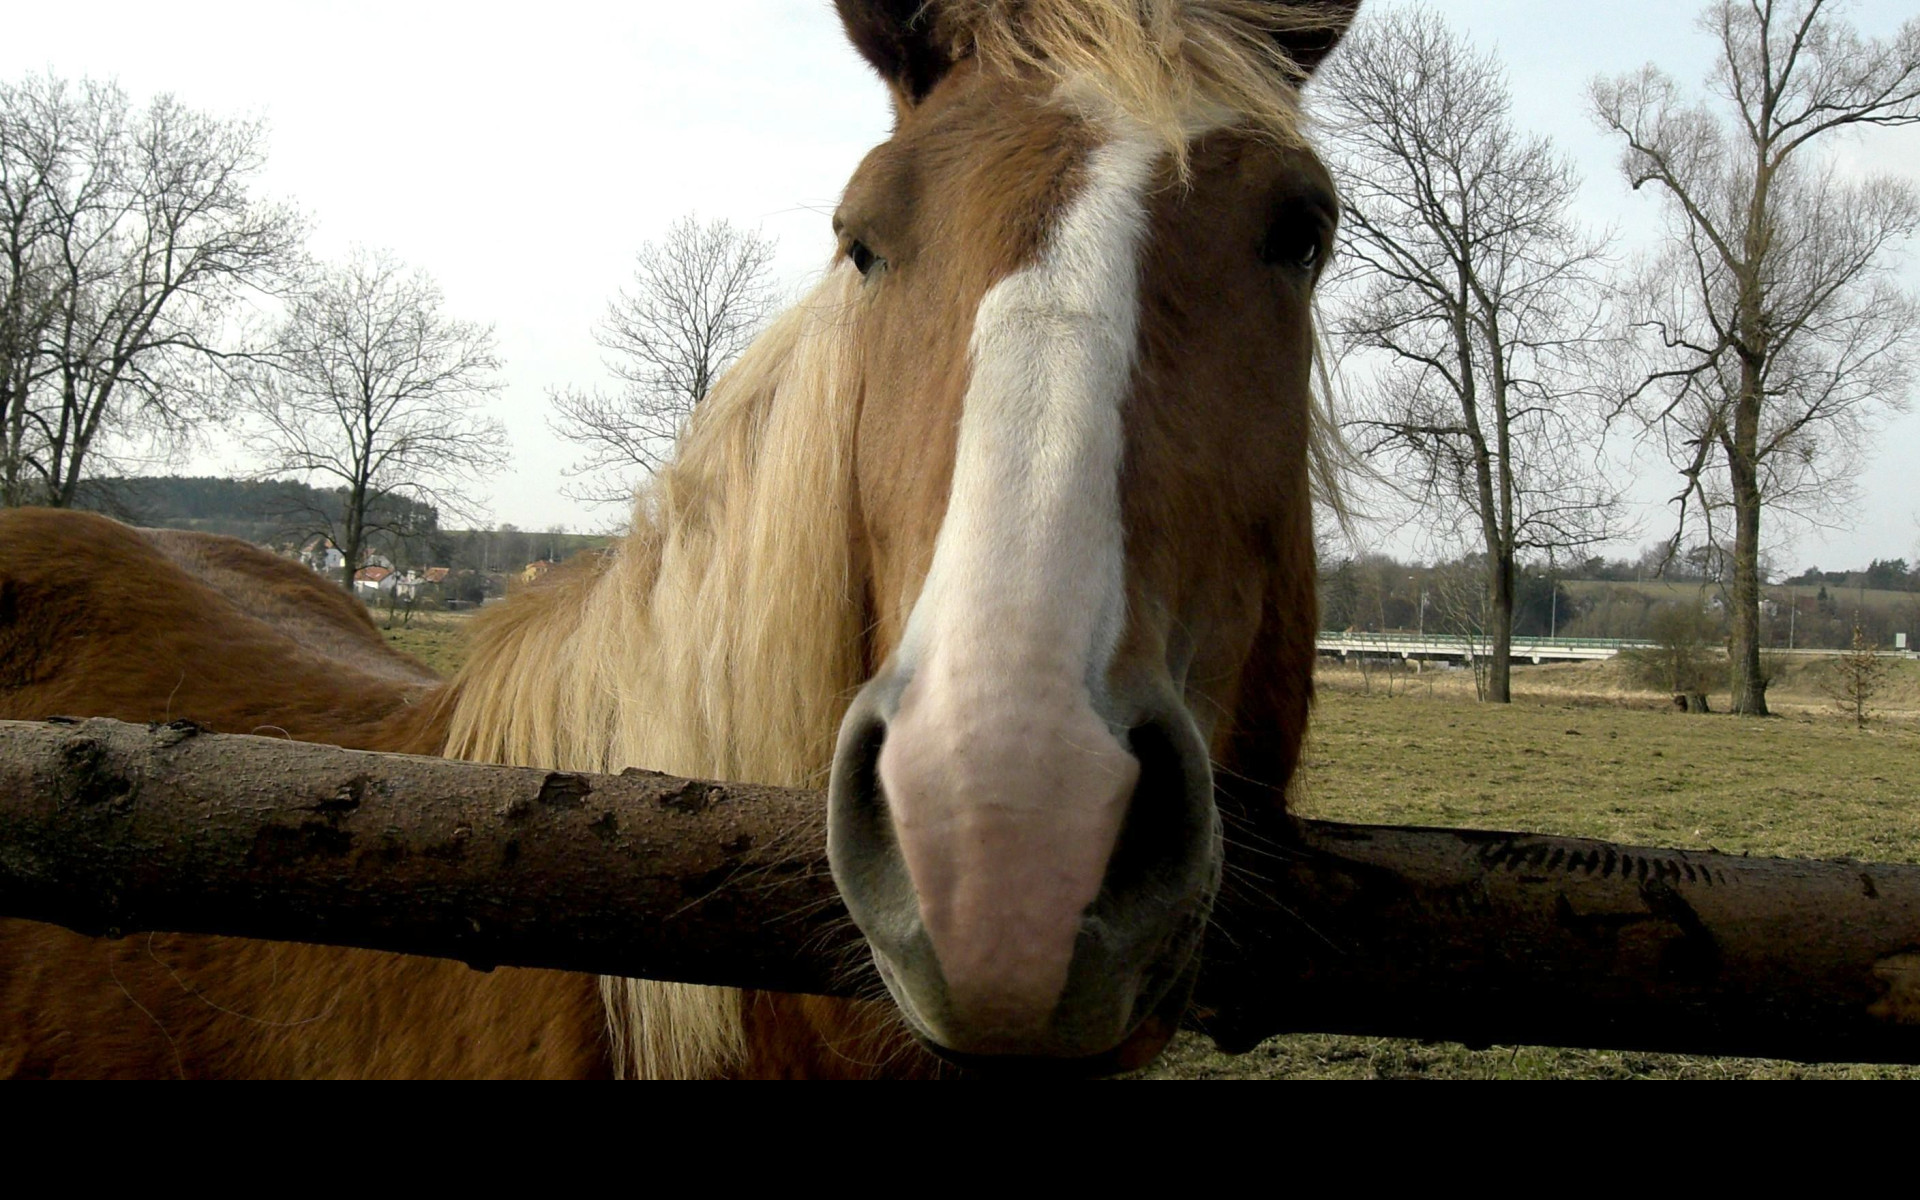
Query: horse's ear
{"points": [[901, 38], [1326, 23]]}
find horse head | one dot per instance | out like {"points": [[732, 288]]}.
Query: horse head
{"points": [[1085, 354]]}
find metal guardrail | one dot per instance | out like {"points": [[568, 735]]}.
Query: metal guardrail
{"points": [[1453, 645], [1461, 639], [1538, 649]]}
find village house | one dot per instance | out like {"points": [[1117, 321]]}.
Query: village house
{"points": [[370, 583], [322, 555]]}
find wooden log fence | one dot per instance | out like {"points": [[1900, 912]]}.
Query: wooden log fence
{"points": [[1479, 937]]}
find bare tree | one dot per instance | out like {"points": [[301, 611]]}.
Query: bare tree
{"points": [[697, 298], [1778, 331], [1469, 296], [33, 159], [1462, 606], [127, 240], [372, 389]]}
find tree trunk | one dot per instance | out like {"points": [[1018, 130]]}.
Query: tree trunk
{"points": [[13, 420], [350, 554], [1500, 630], [1749, 684], [11, 492], [1743, 450], [1500, 550]]}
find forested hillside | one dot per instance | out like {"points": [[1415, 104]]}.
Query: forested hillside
{"points": [[279, 513], [269, 512]]}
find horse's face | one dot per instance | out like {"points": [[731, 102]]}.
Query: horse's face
{"points": [[1083, 483]]}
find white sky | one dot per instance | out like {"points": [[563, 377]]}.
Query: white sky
{"points": [[523, 156]]}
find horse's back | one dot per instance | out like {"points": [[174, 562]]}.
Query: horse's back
{"points": [[101, 620], [318, 617]]}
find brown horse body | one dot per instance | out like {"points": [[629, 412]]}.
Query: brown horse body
{"points": [[97, 619], [1005, 530], [100, 620]]}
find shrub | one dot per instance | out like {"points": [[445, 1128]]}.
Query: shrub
{"points": [[1682, 659], [1854, 677]]}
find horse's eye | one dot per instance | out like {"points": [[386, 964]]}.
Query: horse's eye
{"points": [[1291, 243], [862, 258]]}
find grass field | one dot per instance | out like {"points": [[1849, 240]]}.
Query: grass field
{"points": [[437, 639], [1577, 754]]}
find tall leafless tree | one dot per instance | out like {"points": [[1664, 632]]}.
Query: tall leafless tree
{"points": [[1468, 300], [127, 239], [697, 298], [373, 389], [1777, 329]]}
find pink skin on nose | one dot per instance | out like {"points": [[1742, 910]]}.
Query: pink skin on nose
{"points": [[1007, 794]]}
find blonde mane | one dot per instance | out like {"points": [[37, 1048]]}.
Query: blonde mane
{"points": [[722, 638]]}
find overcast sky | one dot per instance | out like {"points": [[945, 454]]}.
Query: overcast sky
{"points": [[523, 158]]}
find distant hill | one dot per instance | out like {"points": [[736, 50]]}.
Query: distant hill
{"points": [[278, 512], [1697, 591], [1797, 614], [267, 512]]}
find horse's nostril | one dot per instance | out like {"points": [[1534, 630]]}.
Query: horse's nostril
{"points": [[857, 764], [861, 846], [1171, 812]]}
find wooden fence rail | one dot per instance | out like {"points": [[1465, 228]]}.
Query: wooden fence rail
{"points": [[1478, 937]]}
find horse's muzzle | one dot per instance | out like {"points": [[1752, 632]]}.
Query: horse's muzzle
{"points": [[1060, 925]]}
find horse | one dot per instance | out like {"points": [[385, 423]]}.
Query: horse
{"points": [[1003, 532]]}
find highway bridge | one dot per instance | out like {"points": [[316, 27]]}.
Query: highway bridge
{"points": [[1452, 647], [1455, 647]]}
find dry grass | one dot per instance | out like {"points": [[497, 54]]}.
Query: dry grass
{"points": [[1323, 1056], [1578, 754], [436, 638], [1599, 761], [1796, 689]]}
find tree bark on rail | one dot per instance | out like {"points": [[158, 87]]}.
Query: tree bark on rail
{"points": [[1471, 936]]}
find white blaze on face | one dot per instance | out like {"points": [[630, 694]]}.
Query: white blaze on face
{"points": [[1006, 786]]}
